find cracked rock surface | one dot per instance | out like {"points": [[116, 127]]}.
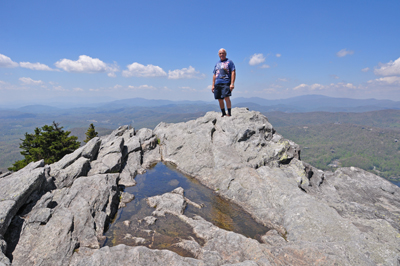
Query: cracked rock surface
{"points": [[56, 214]]}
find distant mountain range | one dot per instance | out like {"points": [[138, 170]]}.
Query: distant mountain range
{"points": [[315, 103], [299, 104]]}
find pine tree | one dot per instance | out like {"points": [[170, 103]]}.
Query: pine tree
{"points": [[90, 133], [50, 143]]}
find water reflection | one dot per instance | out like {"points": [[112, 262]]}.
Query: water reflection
{"points": [[397, 183], [129, 227]]}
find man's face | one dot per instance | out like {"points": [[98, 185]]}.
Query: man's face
{"points": [[222, 55]]}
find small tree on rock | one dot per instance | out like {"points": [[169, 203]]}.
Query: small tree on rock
{"points": [[50, 143], [90, 133]]}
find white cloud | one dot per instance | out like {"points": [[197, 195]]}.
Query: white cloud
{"points": [[301, 86], [138, 70], [389, 69], [365, 69], [86, 64], [59, 88], [36, 66], [142, 87], [77, 89], [165, 88], [265, 66], [316, 86], [282, 79], [278, 55], [10, 87], [187, 89], [256, 59], [334, 76], [185, 73], [30, 81], [5, 61], [344, 52], [393, 80], [330, 87]]}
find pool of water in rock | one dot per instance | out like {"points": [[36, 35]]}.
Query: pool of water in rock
{"points": [[397, 183], [128, 227]]}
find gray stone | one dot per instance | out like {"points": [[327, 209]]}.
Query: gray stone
{"points": [[109, 159], [113, 146], [172, 202], [3, 258], [338, 215], [8, 209], [349, 217], [150, 157], [91, 148], [273, 238], [65, 219], [125, 255], [130, 169], [67, 160], [125, 198], [119, 132], [16, 190], [149, 144], [66, 176], [150, 220], [223, 247], [73, 165], [53, 244], [5, 174], [209, 143], [144, 134], [133, 145], [41, 216]]}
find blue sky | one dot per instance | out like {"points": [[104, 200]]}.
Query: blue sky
{"points": [[104, 50]]}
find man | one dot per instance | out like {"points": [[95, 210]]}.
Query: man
{"points": [[224, 81]]}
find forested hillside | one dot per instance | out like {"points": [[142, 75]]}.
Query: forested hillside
{"points": [[369, 140], [328, 146]]}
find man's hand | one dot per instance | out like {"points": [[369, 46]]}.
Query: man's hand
{"points": [[233, 78], [213, 83]]}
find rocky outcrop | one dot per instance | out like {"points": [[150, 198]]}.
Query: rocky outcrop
{"points": [[16, 190], [308, 207], [57, 214], [48, 212]]}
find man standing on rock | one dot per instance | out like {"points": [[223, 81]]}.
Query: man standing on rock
{"points": [[224, 81]]}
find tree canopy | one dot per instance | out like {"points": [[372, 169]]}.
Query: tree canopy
{"points": [[50, 143], [90, 133]]}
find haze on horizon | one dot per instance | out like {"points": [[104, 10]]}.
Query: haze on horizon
{"points": [[99, 50]]}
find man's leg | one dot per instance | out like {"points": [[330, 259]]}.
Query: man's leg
{"points": [[222, 106], [228, 105]]}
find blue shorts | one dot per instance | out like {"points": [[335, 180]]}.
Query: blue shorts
{"points": [[222, 90]]}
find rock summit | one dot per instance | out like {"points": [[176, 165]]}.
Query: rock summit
{"points": [[57, 214]]}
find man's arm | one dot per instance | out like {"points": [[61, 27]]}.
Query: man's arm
{"points": [[213, 84], [233, 78]]}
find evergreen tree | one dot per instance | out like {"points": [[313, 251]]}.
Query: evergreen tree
{"points": [[50, 143], [90, 133]]}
